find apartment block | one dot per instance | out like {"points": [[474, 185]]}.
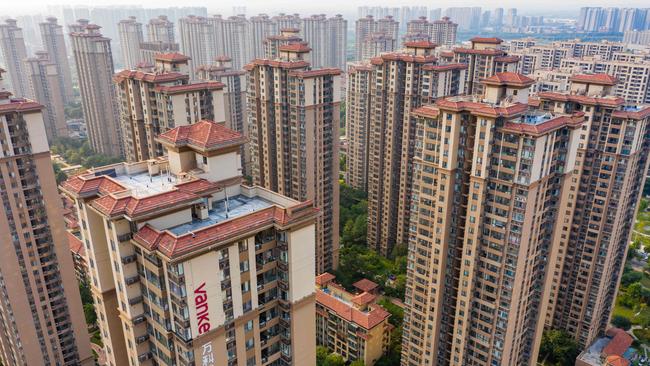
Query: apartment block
{"points": [[41, 317], [94, 61], [190, 266], [604, 49], [368, 28], [153, 100], [328, 39], [400, 82], [286, 36], [45, 85], [54, 45], [131, 36], [260, 27], [484, 58], [149, 50], [198, 41], [357, 115], [509, 193], [352, 325], [161, 29], [294, 115], [551, 80], [442, 32], [234, 100], [14, 54]]}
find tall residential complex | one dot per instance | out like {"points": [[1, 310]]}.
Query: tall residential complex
{"points": [[260, 27], [232, 39], [198, 41], [597, 19], [45, 85], [92, 54], [518, 218], [14, 54], [369, 31], [294, 114], [188, 266], [272, 43], [441, 32], [41, 318], [328, 39], [399, 82], [467, 18], [155, 99], [234, 100], [54, 44], [357, 116], [160, 29], [131, 36]]}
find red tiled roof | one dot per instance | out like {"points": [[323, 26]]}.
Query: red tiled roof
{"points": [[547, 126], [446, 67], [620, 342], [149, 77], [366, 320], [509, 78], [420, 44], [599, 79], [485, 52], [482, 108], [507, 59], [20, 105], [638, 115], [406, 57], [171, 56], [429, 111], [324, 278], [447, 54], [276, 63], [75, 244], [363, 298], [582, 99], [81, 185], [174, 246], [206, 85], [206, 135], [365, 285], [491, 40], [295, 47], [315, 73], [616, 361]]}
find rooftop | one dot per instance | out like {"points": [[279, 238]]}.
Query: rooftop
{"points": [[204, 135], [224, 210], [616, 342]]}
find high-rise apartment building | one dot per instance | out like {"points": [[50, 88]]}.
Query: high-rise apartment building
{"points": [[284, 21], [161, 29], [503, 230], [94, 60], [357, 96], [441, 32], [14, 54], [467, 18], [260, 27], [375, 36], [45, 85], [54, 44], [149, 50], [637, 37], [198, 41], [286, 36], [131, 36], [188, 266], [232, 39], [328, 38], [41, 317], [294, 114], [155, 99], [234, 99]]}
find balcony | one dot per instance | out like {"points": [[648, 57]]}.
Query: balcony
{"points": [[129, 259], [141, 338], [135, 300], [144, 357], [138, 319], [131, 280]]}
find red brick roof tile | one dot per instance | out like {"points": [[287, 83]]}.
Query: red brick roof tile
{"points": [[171, 56], [365, 285], [75, 244], [420, 44], [295, 47], [599, 79], [620, 342], [366, 320], [324, 278], [491, 40], [205, 135], [509, 78], [582, 99]]}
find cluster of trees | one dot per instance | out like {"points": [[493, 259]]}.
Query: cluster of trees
{"points": [[78, 151], [87, 302], [558, 348], [325, 358], [353, 215]]}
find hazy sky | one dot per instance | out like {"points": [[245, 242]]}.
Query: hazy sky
{"points": [[12, 7]]}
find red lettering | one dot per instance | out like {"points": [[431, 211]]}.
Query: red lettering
{"points": [[201, 302]]}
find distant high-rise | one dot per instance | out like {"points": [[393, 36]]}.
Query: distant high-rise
{"points": [[260, 27], [131, 36], [597, 19], [44, 82], [54, 44], [272, 43], [294, 122], [375, 36], [94, 61], [41, 317], [198, 41], [497, 18], [160, 29], [441, 32], [156, 98], [400, 82], [467, 18], [232, 39], [14, 54], [328, 38]]}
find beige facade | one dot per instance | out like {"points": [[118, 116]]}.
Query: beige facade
{"points": [[368, 28], [327, 37], [352, 325], [14, 53], [188, 266], [441, 31], [45, 85], [272, 43], [155, 99], [54, 45], [399, 82], [161, 29], [294, 115], [131, 36], [41, 317], [94, 60], [493, 261], [357, 116]]}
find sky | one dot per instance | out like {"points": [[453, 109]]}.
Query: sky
{"points": [[10, 7]]}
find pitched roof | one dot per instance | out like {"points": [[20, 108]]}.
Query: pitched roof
{"points": [[599, 79], [295, 47], [582, 99], [420, 44], [324, 278], [491, 40], [205, 135], [365, 285], [366, 320], [206, 85], [620, 342], [75, 244], [509, 78], [363, 298], [171, 56]]}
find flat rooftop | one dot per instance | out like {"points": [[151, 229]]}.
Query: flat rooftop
{"points": [[223, 210], [534, 118], [142, 184]]}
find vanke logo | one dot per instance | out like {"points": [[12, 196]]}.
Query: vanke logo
{"points": [[201, 302]]}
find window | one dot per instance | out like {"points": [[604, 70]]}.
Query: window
{"points": [[250, 343], [245, 287], [205, 160], [243, 266], [243, 246], [248, 326]]}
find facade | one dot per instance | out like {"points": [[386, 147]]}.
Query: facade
{"points": [[400, 82], [160, 29], [352, 325], [149, 50], [637, 37], [260, 27], [368, 28], [197, 41], [54, 44], [286, 36], [442, 32], [194, 266], [234, 100], [41, 320], [131, 37], [92, 54], [45, 85], [479, 288], [153, 100], [14, 54], [328, 39], [359, 79], [294, 136], [78, 253]]}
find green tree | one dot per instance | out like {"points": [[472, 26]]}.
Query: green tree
{"points": [[643, 205], [334, 359], [321, 355], [622, 322], [59, 175], [630, 278], [357, 363], [558, 348], [90, 314]]}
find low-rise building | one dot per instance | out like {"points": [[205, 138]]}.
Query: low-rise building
{"points": [[612, 349]]}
